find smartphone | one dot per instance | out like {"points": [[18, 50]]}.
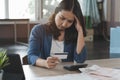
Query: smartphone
{"points": [[75, 67]]}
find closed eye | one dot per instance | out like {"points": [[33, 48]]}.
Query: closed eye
{"points": [[70, 21]]}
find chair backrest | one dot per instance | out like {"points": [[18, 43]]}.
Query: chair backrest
{"points": [[25, 60]]}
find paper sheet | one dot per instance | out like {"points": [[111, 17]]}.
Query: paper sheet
{"points": [[102, 73]]}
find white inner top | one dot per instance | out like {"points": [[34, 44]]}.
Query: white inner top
{"points": [[57, 46]]}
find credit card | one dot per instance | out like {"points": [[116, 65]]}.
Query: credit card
{"points": [[60, 55]]}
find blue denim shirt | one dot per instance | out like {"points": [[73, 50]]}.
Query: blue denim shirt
{"points": [[40, 46]]}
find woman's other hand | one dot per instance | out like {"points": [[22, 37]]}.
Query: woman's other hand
{"points": [[80, 40], [78, 25]]}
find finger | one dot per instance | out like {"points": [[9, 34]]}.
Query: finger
{"points": [[53, 60], [76, 18], [52, 65], [50, 59], [56, 58], [53, 57]]}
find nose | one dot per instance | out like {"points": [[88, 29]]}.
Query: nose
{"points": [[64, 24]]}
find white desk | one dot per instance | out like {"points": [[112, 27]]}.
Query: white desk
{"points": [[112, 63], [32, 72]]}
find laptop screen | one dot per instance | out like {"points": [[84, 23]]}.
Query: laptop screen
{"points": [[14, 71]]}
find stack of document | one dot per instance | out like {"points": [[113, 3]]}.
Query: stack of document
{"points": [[102, 73]]}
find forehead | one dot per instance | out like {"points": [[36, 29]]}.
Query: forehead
{"points": [[67, 14]]}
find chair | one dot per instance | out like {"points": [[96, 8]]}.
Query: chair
{"points": [[25, 60]]}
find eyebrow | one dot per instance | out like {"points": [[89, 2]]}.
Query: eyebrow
{"points": [[66, 18]]}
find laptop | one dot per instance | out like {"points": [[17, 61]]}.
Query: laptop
{"points": [[14, 71]]}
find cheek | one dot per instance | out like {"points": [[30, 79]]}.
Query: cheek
{"points": [[56, 21]]}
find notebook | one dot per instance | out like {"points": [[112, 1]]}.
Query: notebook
{"points": [[14, 71]]}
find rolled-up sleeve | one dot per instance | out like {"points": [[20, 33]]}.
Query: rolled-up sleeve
{"points": [[81, 57], [35, 42]]}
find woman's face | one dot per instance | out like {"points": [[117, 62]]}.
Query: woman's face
{"points": [[64, 19]]}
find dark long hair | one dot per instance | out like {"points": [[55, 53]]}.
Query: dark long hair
{"points": [[71, 32]]}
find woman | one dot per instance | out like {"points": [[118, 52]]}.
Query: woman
{"points": [[64, 32]]}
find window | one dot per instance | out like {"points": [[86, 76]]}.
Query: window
{"points": [[14, 9], [49, 6], [22, 9], [2, 9], [17, 9], [32, 9], [82, 6]]}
